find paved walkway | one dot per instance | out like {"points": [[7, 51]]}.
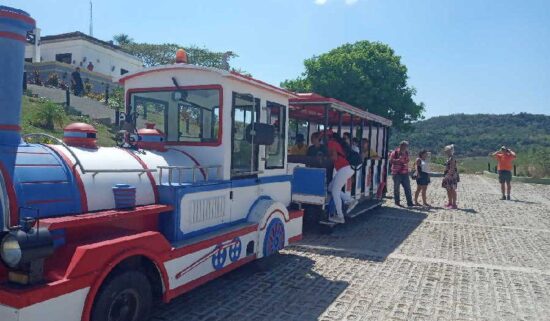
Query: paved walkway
{"points": [[489, 260], [89, 107]]}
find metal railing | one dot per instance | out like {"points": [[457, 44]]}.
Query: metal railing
{"points": [[180, 170]]}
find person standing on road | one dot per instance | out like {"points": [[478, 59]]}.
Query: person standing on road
{"points": [[450, 177], [422, 177], [505, 157], [399, 160]]}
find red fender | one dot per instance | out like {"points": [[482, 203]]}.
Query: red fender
{"points": [[102, 257]]}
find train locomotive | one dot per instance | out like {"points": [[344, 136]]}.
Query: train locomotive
{"points": [[96, 233]]}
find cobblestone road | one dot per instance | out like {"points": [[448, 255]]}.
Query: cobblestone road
{"points": [[489, 260]]}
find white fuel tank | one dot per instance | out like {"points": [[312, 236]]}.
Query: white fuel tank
{"points": [[102, 168]]}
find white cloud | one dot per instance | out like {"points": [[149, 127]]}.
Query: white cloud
{"points": [[323, 2]]}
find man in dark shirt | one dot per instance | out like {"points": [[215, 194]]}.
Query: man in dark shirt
{"points": [[76, 81], [316, 149]]}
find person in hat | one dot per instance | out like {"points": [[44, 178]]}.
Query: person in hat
{"points": [[399, 160], [505, 158], [300, 148], [450, 177]]}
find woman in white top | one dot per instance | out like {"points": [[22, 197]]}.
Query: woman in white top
{"points": [[422, 177]]}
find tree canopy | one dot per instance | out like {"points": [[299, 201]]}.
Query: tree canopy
{"points": [[365, 74], [161, 54], [478, 135]]}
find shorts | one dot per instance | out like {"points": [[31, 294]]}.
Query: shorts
{"points": [[504, 176], [423, 179]]}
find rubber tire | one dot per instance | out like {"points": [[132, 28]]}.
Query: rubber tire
{"points": [[117, 283]]}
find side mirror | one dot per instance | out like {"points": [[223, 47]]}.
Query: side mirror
{"points": [[261, 134]]}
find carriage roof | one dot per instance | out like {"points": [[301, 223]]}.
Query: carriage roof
{"points": [[311, 106]]}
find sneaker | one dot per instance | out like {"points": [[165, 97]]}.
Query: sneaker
{"points": [[508, 197], [337, 219], [351, 205], [503, 198]]}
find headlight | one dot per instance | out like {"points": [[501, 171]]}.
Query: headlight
{"points": [[11, 251], [23, 250]]}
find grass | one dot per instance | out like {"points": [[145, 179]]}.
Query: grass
{"points": [[32, 107]]}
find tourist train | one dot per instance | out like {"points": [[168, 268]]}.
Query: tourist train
{"points": [[200, 183]]}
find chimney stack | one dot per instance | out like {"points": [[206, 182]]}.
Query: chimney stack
{"points": [[14, 25]]}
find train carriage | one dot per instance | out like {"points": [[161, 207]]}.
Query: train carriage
{"points": [[309, 113]]}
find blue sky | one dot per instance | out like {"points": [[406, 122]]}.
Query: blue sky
{"points": [[470, 56]]}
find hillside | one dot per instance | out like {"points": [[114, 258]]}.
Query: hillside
{"points": [[33, 113], [477, 135]]}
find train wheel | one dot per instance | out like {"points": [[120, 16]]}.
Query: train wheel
{"points": [[123, 297], [274, 239]]}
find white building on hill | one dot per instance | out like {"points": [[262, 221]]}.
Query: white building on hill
{"points": [[80, 50]]}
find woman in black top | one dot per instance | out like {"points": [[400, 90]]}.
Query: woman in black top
{"points": [[422, 177]]}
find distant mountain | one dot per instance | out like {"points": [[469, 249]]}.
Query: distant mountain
{"points": [[477, 135]]}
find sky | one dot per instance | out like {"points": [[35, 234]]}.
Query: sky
{"points": [[463, 56]]}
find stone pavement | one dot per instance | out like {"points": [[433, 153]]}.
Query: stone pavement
{"points": [[488, 260]]}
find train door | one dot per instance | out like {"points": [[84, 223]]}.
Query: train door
{"points": [[245, 190]]}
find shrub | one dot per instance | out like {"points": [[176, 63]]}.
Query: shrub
{"points": [[53, 80], [47, 115]]}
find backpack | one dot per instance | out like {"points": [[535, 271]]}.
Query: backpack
{"points": [[353, 158]]}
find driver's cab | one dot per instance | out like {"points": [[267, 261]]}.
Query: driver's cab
{"points": [[231, 128]]}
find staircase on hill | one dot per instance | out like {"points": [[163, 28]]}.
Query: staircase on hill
{"points": [[84, 105]]}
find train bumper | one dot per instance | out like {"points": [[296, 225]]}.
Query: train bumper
{"points": [[66, 307]]}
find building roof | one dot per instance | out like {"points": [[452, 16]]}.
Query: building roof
{"points": [[80, 35]]}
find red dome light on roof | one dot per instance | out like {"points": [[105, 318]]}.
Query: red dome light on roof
{"points": [[181, 56], [151, 138], [80, 135]]}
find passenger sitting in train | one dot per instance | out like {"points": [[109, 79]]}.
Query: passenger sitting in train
{"points": [[317, 149], [366, 149], [300, 148], [343, 172], [352, 143]]}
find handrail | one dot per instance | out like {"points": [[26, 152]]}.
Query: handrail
{"points": [[60, 142], [193, 169]]}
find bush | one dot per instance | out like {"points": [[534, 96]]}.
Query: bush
{"points": [[47, 115], [53, 80]]}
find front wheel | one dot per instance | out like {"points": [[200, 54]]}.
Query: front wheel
{"points": [[123, 297]]}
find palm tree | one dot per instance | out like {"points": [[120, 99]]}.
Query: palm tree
{"points": [[122, 39]]}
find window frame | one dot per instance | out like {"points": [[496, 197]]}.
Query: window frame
{"points": [[283, 121], [256, 108], [217, 87]]}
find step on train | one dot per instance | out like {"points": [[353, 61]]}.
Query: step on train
{"points": [[201, 183]]}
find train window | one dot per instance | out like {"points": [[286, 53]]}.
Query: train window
{"points": [[244, 156], [186, 115], [275, 153]]}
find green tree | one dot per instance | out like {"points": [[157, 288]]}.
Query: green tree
{"points": [[161, 54], [365, 74], [122, 39]]}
